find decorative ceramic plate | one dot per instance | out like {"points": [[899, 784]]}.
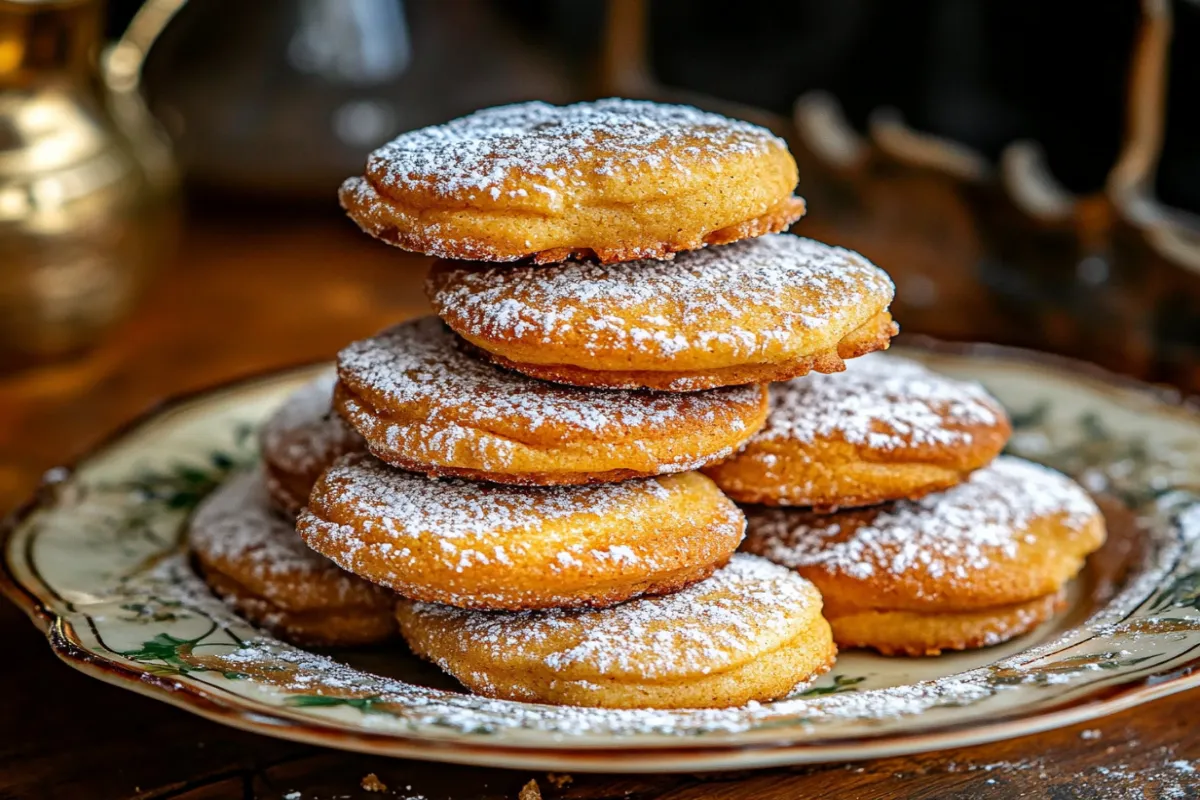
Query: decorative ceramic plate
{"points": [[96, 560]]}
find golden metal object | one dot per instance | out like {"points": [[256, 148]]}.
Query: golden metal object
{"points": [[88, 206]]}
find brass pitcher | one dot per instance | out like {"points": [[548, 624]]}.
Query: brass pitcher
{"points": [[88, 207]]}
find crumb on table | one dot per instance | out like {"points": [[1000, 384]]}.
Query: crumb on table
{"points": [[558, 780], [371, 783]]}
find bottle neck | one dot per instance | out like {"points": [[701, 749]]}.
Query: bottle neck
{"points": [[44, 40]]}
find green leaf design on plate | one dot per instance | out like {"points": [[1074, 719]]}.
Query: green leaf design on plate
{"points": [[1127, 467], [841, 683], [167, 491], [1182, 592], [370, 704], [153, 610], [1032, 418], [1060, 670], [173, 654], [180, 486], [167, 649]]}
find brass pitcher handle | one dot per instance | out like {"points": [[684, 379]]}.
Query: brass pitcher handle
{"points": [[121, 71], [122, 62]]}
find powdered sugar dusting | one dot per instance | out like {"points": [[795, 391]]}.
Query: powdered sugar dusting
{"points": [[949, 534], [881, 401], [703, 628], [365, 508], [744, 298], [505, 153], [236, 527], [304, 434], [413, 505], [316, 674], [419, 364]]}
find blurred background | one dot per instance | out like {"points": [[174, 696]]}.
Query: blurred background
{"points": [[1029, 172]]}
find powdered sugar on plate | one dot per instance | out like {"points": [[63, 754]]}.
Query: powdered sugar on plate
{"points": [[431, 709], [948, 534], [743, 299], [511, 151], [419, 364], [881, 401], [704, 628]]}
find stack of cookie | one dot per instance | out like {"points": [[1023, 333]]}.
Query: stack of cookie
{"points": [[537, 472]]}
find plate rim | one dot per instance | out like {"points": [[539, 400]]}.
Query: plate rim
{"points": [[634, 758]]}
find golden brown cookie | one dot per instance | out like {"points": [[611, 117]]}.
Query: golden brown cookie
{"points": [[254, 560], [760, 310], [301, 439], [885, 429], [921, 633], [484, 546], [752, 631], [424, 405], [614, 180], [974, 565]]}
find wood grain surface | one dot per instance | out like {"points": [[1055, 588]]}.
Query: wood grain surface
{"points": [[245, 298]]}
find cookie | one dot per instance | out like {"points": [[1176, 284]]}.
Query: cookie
{"points": [[762, 310], [919, 633], [301, 439], [975, 565], [614, 180], [253, 559], [751, 632], [423, 404], [885, 429], [479, 545]]}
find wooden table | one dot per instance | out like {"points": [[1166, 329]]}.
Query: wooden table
{"points": [[243, 299]]}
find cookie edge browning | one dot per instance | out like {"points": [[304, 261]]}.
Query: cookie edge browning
{"points": [[372, 425], [346, 626], [801, 659], [917, 480], [223, 535], [870, 476], [908, 633], [394, 222], [719, 534], [874, 335], [1012, 584]]}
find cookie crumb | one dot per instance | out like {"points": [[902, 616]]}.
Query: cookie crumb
{"points": [[559, 781], [530, 791], [371, 783]]}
